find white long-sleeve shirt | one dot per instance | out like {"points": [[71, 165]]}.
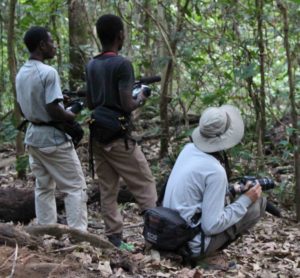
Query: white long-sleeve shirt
{"points": [[198, 183]]}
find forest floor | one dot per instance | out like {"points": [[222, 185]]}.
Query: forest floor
{"points": [[271, 249]]}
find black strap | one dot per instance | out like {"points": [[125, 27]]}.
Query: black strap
{"points": [[197, 230], [22, 125], [126, 142], [161, 194], [202, 241], [91, 157]]}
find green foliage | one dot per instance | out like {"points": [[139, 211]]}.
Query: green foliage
{"points": [[219, 97], [216, 46], [296, 1], [8, 132], [22, 165], [246, 71], [215, 56], [285, 192]]}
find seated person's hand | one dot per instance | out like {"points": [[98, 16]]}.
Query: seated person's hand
{"points": [[254, 192]]}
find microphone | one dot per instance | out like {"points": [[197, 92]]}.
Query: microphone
{"points": [[149, 80]]}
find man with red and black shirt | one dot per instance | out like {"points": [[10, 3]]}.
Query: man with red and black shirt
{"points": [[110, 79]]}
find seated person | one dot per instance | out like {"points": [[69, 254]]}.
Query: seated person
{"points": [[198, 184]]}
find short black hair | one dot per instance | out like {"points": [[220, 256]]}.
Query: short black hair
{"points": [[34, 36], [108, 27]]}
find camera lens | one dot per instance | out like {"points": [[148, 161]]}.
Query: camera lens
{"points": [[266, 183]]}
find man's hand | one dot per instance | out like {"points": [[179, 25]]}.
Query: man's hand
{"points": [[66, 100], [254, 192], [129, 103], [141, 98], [58, 113]]}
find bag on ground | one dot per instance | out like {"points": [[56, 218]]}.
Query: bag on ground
{"points": [[166, 230]]}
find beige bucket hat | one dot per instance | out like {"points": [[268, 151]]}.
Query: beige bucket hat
{"points": [[220, 128]]}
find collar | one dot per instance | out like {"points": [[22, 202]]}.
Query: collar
{"points": [[106, 53]]}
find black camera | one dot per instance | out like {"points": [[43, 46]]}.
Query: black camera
{"points": [[75, 106], [240, 187], [141, 86], [75, 101], [265, 183]]}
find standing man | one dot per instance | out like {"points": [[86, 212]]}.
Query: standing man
{"points": [[198, 184], [52, 157], [110, 80]]}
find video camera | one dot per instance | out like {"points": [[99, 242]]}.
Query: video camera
{"points": [[74, 101], [240, 187], [141, 85]]}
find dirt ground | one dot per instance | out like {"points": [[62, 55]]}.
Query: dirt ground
{"points": [[271, 249]]}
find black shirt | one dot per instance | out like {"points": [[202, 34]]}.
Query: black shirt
{"points": [[107, 76]]}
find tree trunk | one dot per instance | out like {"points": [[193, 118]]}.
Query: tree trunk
{"points": [[11, 235], [55, 32], [31, 236], [17, 205], [2, 75], [294, 116], [261, 121], [163, 104], [148, 49], [78, 38], [163, 108], [127, 47], [167, 82], [12, 73]]}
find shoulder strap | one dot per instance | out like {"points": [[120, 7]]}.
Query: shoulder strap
{"points": [[162, 194]]}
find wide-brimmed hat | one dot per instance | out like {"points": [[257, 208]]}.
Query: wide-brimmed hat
{"points": [[220, 128]]}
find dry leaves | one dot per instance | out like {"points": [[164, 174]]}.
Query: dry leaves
{"points": [[271, 249]]}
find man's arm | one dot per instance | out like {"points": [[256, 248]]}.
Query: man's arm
{"points": [[126, 81], [58, 113], [216, 217], [128, 103]]}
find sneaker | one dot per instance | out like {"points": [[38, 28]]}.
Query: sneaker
{"points": [[117, 241], [126, 247], [216, 262]]}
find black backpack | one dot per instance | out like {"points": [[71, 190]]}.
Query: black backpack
{"points": [[166, 230]]}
